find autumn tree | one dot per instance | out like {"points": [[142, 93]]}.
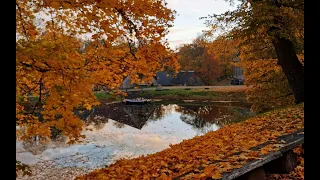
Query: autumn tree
{"points": [[189, 54], [210, 68], [56, 71], [224, 49], [196, 57], [269, 87], [277, 26]]}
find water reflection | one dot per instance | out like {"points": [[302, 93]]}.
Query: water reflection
{"points": [[34, 145], [122, 131], [118, 124], [161, 111], [97, 121], [202, 118], [137, 116], [133, 115]]}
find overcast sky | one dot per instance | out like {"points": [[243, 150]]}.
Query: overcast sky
{"points": [[187, 24]]}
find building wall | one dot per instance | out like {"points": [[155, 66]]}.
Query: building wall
{"points": [[237, 70]]}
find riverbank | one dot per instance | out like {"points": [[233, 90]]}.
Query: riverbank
{"points": [[200, 151], [210, 93]]}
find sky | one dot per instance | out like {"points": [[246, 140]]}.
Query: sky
{"points": [[187, 24]]}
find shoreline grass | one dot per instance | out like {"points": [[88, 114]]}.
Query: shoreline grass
{"points": [[183, 94]]}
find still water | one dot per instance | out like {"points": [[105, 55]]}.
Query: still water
{"points": [[125, 131]]}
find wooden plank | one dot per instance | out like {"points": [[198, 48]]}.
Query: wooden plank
{"points": [[272, 156], [286, 138], [251, 166], [292, 145], [284, 164], [292, 140], [257, 174]]}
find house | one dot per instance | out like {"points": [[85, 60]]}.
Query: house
{"points": [[237, 71], [126, 84], [164, 78], [189, 78]]}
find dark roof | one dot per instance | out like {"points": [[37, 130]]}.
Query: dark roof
{"points": [[165, 78], [182, 77]]}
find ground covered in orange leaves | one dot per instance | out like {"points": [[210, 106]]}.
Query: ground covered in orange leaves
{"points": [[229, 146]]}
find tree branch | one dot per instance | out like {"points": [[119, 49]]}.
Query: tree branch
{"points": [[24, 29], [35, 67]]}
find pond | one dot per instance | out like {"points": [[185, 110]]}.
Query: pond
{"points": [[125, 131]]}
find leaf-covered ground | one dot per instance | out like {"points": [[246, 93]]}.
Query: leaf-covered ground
{"points": [[204, 151]]}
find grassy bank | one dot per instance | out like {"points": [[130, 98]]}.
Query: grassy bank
{"points": [[216, 152], [219, 94], [222, 93], [197, 94], [103, 96]]}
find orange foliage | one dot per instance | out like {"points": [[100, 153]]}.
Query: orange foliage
{"points": [[269, 86], [211, 59], [196, 57], [56, 71], [224, 49], [249, 25], [205, 150]]}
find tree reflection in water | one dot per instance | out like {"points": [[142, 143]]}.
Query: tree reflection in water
{"points": [[97, 121], [208, 118], [36, 145], [133, 115], [202, 118], [118, 124], [162, 111]]}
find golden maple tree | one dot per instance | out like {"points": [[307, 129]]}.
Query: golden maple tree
{"points": [[197, 57], [56, 70], [212, 59], [268, 30], [224, 49]]}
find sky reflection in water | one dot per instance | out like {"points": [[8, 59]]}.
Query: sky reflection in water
{"points": [[138, 130]]}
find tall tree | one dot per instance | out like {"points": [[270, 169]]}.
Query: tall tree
{"points": [[210, 68], [56, 72], [224, 49], [196, 57], [276, 22]]}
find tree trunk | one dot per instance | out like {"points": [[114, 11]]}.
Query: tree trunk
{"points": [[291, 66], [208, 78]]}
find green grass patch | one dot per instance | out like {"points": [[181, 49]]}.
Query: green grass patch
{"points": [[102, 96], [180, 93]]}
